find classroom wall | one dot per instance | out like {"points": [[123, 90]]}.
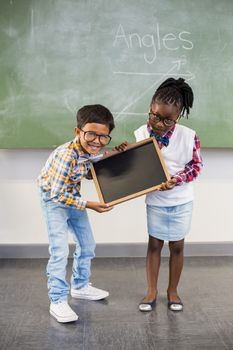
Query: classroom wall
{"points": [[21, 221]]}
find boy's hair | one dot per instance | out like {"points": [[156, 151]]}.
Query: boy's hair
{"points": [[175, 92], [95, 114]]}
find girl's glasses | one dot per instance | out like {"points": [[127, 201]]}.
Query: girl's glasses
{"points": [[167, 122], [90, 136]]}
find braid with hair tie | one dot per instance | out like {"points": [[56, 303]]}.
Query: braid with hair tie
{"points": [[176, 92]]}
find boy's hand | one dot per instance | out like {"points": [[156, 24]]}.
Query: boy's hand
{"points": [[99, 207], [168, 185], [122, 147]]}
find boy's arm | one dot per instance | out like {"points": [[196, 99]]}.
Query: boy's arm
{"points": [[61, 170]]}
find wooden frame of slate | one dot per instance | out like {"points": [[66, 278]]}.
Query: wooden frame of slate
{"points": [[129, 174]]}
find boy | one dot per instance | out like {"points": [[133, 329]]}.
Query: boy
{"points": [[64, 209]]}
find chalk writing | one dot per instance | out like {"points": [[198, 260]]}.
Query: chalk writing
{"points": [[155, 42]]}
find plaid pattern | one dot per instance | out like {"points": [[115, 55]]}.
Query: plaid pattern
{"points": [[60, 178], [192, 168]]}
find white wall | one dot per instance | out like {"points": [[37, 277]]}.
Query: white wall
{"points": [[21, 221]]}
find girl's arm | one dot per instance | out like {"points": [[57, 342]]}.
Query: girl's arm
{"points": [[193, 168], [190, 172]]}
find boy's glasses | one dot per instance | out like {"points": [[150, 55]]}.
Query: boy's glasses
{"points": [[167, 122], [90, 136]]}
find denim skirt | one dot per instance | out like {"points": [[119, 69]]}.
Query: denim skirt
{"points": [[169, 223]]}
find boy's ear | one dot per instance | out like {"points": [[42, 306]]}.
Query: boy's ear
{"points": [[77, 131]]}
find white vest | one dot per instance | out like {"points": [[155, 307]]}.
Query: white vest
{"points": [[176, 155]]}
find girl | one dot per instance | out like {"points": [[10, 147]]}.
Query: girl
{"points": [[169, 210]]}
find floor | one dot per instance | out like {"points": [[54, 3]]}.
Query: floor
{"points": [[206, 322]]}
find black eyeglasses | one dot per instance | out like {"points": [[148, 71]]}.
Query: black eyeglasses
{"points": [[167, 122], [90, 136]]}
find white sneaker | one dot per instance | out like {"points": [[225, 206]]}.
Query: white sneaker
{"points": [[89, 293], [62, 312]]}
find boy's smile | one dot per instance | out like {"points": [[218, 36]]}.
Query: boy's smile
{"points": [[89, 137]]}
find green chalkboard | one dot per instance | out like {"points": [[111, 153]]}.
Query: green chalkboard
{"points": [[58, 55]]}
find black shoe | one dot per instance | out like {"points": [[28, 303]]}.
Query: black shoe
{"points": [[147, 306], [175, 305]]}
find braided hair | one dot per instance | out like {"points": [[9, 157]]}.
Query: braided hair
{"points": [[175, 92]]}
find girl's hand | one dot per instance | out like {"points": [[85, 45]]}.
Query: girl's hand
{"points": [[99, 207], [168, 185], [122, 147]]}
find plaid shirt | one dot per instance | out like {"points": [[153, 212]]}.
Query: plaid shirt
{"points": [[61, 176], [191, 169]]}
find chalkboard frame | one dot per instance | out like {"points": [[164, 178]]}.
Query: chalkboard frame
{"points": [[97, 177]]}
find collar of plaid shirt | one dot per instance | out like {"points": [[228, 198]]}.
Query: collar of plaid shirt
{"points": [[84, 157]]}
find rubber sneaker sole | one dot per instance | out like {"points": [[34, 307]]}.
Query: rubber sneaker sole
{"points": [[75, 295], [63, 319]]}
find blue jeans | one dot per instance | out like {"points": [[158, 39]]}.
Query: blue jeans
{"points": [[61, 219]]}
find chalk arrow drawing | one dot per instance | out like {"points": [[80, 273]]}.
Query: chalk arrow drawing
{"points": [[187, 75], [176, 66]]}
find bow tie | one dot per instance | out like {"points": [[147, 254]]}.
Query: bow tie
{"points": [[163, 139]]}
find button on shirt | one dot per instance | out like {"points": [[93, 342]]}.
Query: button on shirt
{"points": [[60, 178]]}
